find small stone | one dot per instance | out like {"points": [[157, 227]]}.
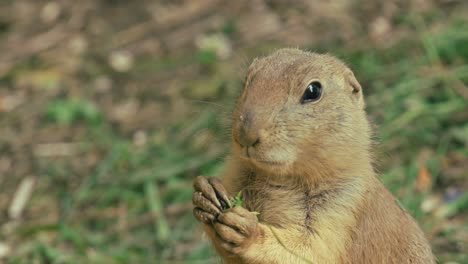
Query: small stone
{"points": [[4, 250], [140, 138], [121, 61], [50, 12], [379, 28], [430, 204], [78, 44]]}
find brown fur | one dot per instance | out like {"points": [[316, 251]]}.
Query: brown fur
{"points": [[317, 194]]}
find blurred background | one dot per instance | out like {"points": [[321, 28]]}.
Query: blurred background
{"points": [[109, 109]]}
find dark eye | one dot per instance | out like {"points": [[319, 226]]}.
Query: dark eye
{"points": [[312, 93]]}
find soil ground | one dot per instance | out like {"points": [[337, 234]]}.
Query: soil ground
{"points": [[109, 109]]}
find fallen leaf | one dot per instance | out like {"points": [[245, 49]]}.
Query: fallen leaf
{"points": [[423, 179]]}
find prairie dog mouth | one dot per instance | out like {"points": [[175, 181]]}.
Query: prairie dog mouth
{"points": [[263, 162], [269, 163]]}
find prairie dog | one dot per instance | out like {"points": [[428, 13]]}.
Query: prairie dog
{"points": [[301, 160]]}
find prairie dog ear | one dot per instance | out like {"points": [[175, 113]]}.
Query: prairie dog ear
{"points": [[355, 88]]}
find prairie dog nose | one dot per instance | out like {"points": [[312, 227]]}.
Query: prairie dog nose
{"points": [[248, 131]]}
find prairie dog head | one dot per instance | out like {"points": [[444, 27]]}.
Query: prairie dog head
{"points": [[300, 113]]}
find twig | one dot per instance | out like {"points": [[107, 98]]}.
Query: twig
{"points": [[21, 197], [31, 46]]}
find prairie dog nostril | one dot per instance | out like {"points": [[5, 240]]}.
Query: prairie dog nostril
{"points": [[256, 142], [248, 138]]}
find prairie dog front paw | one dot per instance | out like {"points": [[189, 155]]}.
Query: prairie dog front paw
{"points": [[209, 199], [236, 228]]}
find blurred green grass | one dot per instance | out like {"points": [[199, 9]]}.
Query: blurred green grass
{"points": [[135, 205]]}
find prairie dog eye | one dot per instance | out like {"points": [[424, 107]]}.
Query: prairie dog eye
{"points": [[312, 93]]}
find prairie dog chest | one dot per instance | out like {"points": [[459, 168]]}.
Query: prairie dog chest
{"points": [[276, 205]]}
